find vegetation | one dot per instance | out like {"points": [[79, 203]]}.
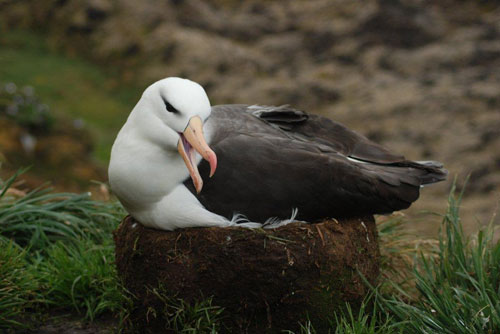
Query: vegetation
{"points": [[80, 277], [451, 288], [24, 107], [199, 318], [56, 252], [458, 287], [69, 85], [39, 218], [17, 286]]}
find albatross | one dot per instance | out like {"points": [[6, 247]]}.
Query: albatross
{"points": [[179, 162]]}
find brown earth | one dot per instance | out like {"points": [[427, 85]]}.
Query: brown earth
{"points": [[57, 323], [266, 280], [421, 77], [62, 155]]}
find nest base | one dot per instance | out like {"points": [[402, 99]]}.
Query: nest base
{"points": [[266, 280]]}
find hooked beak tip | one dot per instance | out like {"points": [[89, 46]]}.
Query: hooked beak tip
{"points": [[212, 160], [194, 136]]}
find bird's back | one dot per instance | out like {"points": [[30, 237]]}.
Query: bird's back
{"points": [[275, 159]]}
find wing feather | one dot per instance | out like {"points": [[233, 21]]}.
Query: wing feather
{"points": [[274, 159]]}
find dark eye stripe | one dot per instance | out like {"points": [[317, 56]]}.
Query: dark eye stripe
{"points": [[170, 107]]}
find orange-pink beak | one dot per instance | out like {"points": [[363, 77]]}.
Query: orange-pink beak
{"points": [[192, 141]]}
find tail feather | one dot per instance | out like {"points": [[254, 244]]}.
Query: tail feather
{"points": [[430, 163], [435, 172], [404, 180], [427, 172]]}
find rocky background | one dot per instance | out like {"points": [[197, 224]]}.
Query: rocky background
{"points": [[421, 77], [50, 146]]}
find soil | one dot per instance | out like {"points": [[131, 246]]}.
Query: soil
{"points": [[61, 156], [266, 280], [62, 323]]}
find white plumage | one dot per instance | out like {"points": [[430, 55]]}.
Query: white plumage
{"points": [[146, 172]]}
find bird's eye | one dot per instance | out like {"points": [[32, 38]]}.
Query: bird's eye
{"points": [[170, 107]]}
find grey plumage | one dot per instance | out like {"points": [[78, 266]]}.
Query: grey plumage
{"points": [[274, 159]]}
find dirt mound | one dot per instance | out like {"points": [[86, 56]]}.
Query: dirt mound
{"points": [[265, 280]]}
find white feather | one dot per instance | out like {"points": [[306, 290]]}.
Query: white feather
{"points": [[356, 160]]}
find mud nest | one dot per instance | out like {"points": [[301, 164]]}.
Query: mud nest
{"points": [[266, 280]]}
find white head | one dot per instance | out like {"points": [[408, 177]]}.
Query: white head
{"points": [[183, 106], [175, 101]]}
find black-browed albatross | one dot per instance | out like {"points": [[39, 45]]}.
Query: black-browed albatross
{"points": [[263, 162]]}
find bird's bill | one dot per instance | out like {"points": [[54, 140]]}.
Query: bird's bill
{"points": [[192, 141]]}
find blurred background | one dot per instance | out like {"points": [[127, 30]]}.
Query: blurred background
{"points": [[420, 77]]}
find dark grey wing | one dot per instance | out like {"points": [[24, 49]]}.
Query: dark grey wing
{"points": [[339, 138], [284, 117], [265, 171]]}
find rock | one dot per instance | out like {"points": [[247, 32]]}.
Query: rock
{"points": [[266, 280], [400, 24]]}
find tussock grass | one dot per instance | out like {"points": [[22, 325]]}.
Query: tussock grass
{"points": [[18, 288], [42, 217], [59, 255], [182, 317], [81, 277], [401, 250], [458, 288], [364, 321], [367, 320]]}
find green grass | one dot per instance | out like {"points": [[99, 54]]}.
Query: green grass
{"points": [[56, 252], [458, 288], [181, 317], [18, 288], [70, 85], [364, 322], [81, 277], [59, 255], [367, 320], [42, 217]]}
